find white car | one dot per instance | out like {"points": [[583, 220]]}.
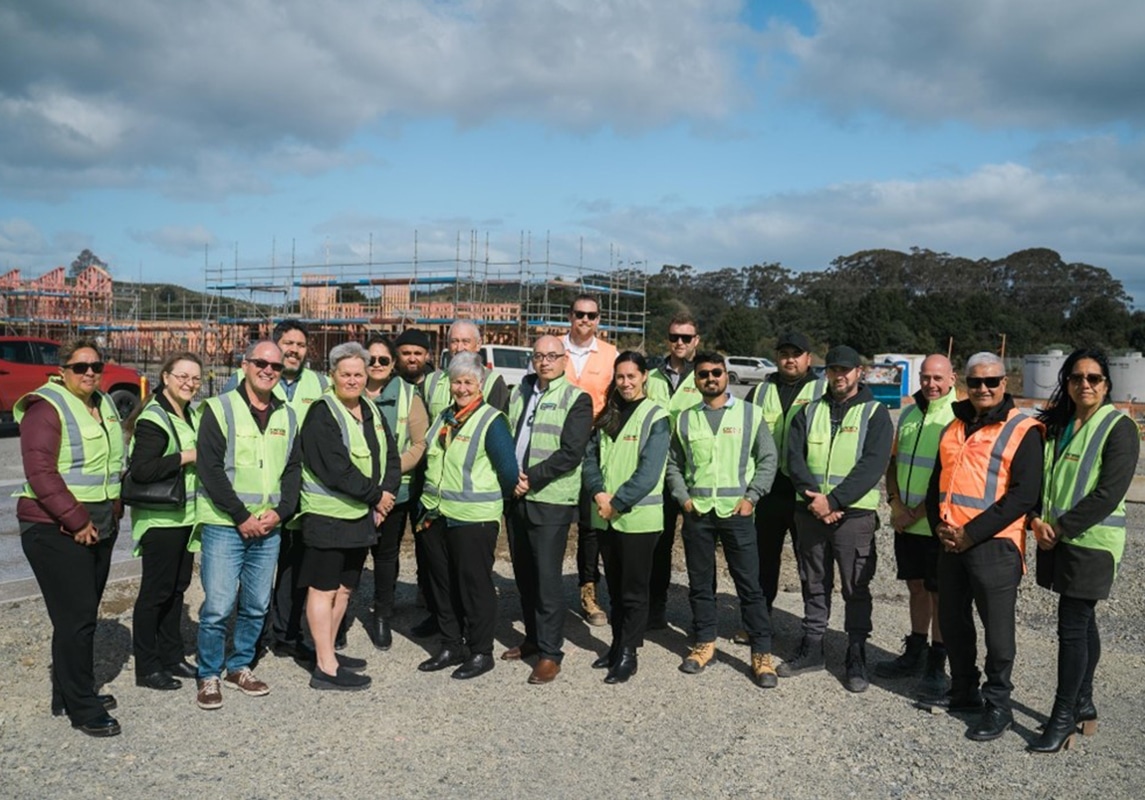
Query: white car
{"points": [[511, 363], [748, 369]]}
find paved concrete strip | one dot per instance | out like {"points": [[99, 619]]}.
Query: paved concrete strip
{"points": [[1137, 490], [27, 588]]}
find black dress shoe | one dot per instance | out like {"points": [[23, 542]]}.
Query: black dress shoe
{"points": [[992, 724], [350, 663], [381, 635], [183, 669], [161, 681], [103, 725], [476, 664], [445, 658], [106, 700], [624, 668], [605, 661], [426, 628]]}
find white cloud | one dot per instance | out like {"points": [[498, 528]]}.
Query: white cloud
{"points": [[177, 240]]}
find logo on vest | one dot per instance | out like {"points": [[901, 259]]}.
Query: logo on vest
{"points": [[731, 430], [276, 431]]}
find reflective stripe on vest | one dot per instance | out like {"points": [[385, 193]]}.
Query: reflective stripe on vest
{"points": [[460, 479], [180, 435], [619, 460], [311, 385], [718, 466], [777, 421], [686, 395], [916, 441], [317, 497], [830, 459], [552, 409], [90, 458]]}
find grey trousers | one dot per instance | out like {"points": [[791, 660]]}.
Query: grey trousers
{"points": [[850, 544]]}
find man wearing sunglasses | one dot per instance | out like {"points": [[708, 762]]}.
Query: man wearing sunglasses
{"points": [[671, 387], [837, 451], [588, 366], [250, 469], [988, 478], [722, 462], [299, 385]]}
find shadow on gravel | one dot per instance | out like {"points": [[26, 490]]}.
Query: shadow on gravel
{"points": [[112, 650]]}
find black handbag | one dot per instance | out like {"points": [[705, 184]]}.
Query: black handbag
{"points": [[168, 493]]}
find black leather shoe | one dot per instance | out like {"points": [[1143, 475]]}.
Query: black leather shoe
{"points": [[1058, 732], [476, 664], [964, 703], [108, 702], [624, 668], [992, 724], [426, 628], [381, 635], [103, 725], [184, 669], [444, 659], [161, 681], [605, 661], [350, 663]]}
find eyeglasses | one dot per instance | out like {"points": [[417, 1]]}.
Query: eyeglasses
{"points": [[586, 314], [81, 367], [990, 382], [1092, 379], [547, 357], [379, 361], [710, 373], [261, 363], [192, 380], [686, 338]]}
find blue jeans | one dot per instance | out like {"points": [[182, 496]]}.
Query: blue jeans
{"points": [[234, 571]]}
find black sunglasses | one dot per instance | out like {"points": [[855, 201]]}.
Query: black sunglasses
{"points": [[990, 382], [686, 338], [586, 314], [1092, 379], [81, 367], [262, 363], [379, 361], [710, 373]]}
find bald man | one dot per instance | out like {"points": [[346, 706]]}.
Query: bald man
{"points": [[551, 422], [464, 337], [912, 462]]}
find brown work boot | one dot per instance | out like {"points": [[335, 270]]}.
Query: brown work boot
{"points": [[245, 681], [764, 670], [593, 613], [698, 657], [210, 694]]}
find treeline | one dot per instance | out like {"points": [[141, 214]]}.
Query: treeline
{"points": [[888, 301]]}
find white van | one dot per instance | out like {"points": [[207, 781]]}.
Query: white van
{"points": [[510, 362]]}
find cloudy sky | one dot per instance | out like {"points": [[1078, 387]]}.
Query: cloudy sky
{"points": [[709, 132]]}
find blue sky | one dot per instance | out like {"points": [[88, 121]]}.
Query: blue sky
{"points": [[708, 132]]}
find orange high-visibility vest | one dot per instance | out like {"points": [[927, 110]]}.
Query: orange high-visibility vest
{"points": [[976, 472], [596, 376]]}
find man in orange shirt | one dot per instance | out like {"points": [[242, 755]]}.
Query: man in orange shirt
{"points": [[589, 368]]}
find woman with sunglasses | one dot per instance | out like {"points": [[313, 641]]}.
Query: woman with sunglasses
{"points": [[624, 475], [407, 418], [163, 432], [72, 447], [1090, 457]]}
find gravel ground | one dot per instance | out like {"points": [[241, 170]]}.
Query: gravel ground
{"points": [[662, 734]]}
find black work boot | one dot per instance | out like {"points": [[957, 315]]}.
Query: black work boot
{"points": [[808, 659], [934, 682], [908, 664], [856, 680]]}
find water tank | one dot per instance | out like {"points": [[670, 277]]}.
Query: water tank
{"points": [[1128, 374], [1040, 374]]}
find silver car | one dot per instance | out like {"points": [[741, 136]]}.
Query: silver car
{"points": [[748, 369]]}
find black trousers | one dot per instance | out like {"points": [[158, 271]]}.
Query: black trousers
{"points": [[155, 623], [1079, 648], [984, 577], [284, 620], [587, 542], [386, 562], [538, 555], [774, 519], [737, 535], [628, 570], [459, 572], [849, 544], [72, 578], [662, 558]]}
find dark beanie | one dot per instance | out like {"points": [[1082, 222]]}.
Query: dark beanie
{"points": [[415, 337]]}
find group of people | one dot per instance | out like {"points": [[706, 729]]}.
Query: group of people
{"points": [[291, 478]]}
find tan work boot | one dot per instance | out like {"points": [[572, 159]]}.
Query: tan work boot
{"points": [[698, 657], [593, 613], [764, 670]]}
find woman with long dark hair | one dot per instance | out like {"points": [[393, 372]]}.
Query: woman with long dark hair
{"points": [[1091, 455], [624, 475]]}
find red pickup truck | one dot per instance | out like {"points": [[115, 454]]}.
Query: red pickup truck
{"points": [[26, 363]]}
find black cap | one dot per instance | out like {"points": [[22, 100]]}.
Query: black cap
{"points": [[793, 339], [417, 338], [842, 356]]}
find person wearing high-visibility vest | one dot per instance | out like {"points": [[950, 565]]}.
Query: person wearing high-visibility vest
{"points": [[671, 387], [465, 337], [588, 366], [1090, 457], [916, 549], [68, 508], [624, 474], [837, 451], [406, 416], [250, 470], [350, 475], [784, 392], [988, 478], [551, 422], [722, 461], [163, 433], [470, 467]]}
